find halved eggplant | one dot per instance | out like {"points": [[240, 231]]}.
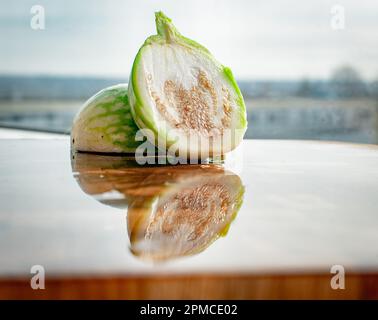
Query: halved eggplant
{"points": [[186, 100]]}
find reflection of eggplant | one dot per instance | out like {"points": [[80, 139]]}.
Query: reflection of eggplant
{"points": [[172, 210], [185, 217]]}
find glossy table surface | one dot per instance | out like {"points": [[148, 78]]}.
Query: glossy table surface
{"points": [[306, 207]]}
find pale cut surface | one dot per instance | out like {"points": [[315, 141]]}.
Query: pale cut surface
{"points": [[188, 93], [185, 89]]}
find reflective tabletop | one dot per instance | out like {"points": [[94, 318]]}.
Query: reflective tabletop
{"points": [[271, 208]]}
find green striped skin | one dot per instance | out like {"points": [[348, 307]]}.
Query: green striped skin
{"points": [[105, 123]]}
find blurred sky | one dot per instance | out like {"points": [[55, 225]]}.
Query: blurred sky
{"points": [[265, 39]]}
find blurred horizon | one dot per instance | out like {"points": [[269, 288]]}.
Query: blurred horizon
{"points": [[344, 82]]}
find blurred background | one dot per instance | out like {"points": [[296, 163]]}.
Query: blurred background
{"points": [[307, 69]]}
